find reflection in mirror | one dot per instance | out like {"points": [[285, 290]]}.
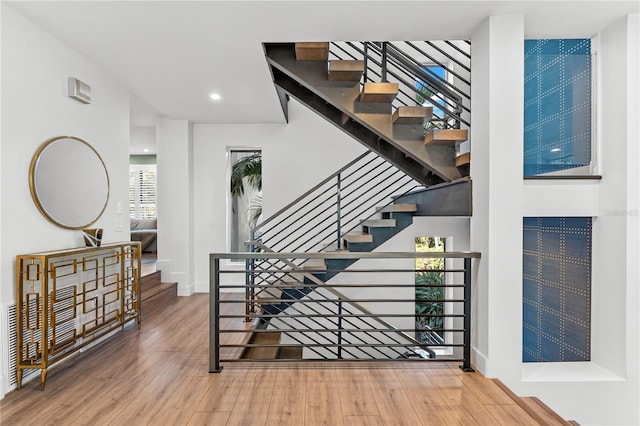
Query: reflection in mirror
{"points": [[69, 182]]}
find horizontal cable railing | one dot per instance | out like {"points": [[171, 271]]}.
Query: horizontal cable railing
{"points": [[368, 314], [435, 73]]}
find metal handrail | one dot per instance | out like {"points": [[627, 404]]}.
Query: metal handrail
{"points": [[336, 293], [310, 191], [361, 334], [379, 55], [320, 217]]}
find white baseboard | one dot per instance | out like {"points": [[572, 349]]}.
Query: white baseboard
{"points": [[479, 361]]}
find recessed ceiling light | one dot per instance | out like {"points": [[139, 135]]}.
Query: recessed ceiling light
{"points": [[555, 150], [146, 150], [215, 96]]}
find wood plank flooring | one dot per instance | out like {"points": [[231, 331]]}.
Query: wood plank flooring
{"points": [[159, 376]]}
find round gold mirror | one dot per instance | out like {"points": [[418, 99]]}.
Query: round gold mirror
{"points": [[69, 182]]}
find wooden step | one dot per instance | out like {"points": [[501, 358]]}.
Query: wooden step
{"points": [[347, 70], [401, 208], [263, 338], [358, 238], [314, 265], [290, 352], [268, 294], [463, 159], [379, 92], [447, 136], [156, 295], [537, 410], [312, 51], [542, 410], [379, 223], [412, 114]]}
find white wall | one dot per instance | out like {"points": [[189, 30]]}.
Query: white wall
{"points": [[496, 225], [175, 203], [35, 67], [295, 157], [575, 390]]}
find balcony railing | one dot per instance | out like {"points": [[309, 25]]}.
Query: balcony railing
{"points": [[366, 312]]}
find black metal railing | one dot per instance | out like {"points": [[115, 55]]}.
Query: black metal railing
{"points": [[368, 315], [412, 65], [319, 218]]}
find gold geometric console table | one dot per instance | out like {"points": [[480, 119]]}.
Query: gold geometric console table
{"points": [[68, 299]]}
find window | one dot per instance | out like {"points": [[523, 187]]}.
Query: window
{"points": [[142, 191], [428, 95], [430, 277], [245, 192]]}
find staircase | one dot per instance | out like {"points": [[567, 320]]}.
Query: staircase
{"points": [[332, 89], [421, 150]]}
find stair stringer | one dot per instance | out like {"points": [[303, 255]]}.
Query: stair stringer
{"points": [[338, 103]]}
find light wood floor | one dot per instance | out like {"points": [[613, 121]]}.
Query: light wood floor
{"points": [[159, 376]]}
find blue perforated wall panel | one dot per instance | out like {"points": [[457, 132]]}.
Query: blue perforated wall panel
{"points": [[557, 105], [556, 289]]}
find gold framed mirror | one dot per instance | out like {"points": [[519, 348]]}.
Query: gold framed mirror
{"points": [[69, 182]]}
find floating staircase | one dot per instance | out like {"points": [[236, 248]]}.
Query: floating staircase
{"points": [[373, 233], [339, 91], [300, 70]]}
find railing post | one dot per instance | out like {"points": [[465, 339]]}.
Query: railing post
{"points": [[466, 363], [383, 74], [250, 290], [366, 61], [214, 315], [340, 329], [338, 211]]}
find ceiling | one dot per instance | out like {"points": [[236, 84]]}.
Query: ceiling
{"points": [[173, 54]]}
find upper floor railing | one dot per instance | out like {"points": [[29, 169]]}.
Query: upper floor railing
{"points": [[368, 314]]}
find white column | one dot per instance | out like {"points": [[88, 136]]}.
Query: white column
{"points": [[496, 169], [633, 219], [175, 204]]}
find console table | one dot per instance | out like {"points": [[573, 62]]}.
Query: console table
{"points": [[68, 299]]}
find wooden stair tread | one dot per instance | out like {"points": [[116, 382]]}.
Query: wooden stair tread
{"points": [[379, 92], [379, 223], [400, 208], [358, 238], [151, 291], [463, 159], [548, 416], [290, 352], [312, 51], [315, 265], [411, 114], [346, 70], [446, 136], [263, 338], [535, 408]]}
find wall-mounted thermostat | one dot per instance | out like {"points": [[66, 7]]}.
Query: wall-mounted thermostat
{"points": [[79, 90]]}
